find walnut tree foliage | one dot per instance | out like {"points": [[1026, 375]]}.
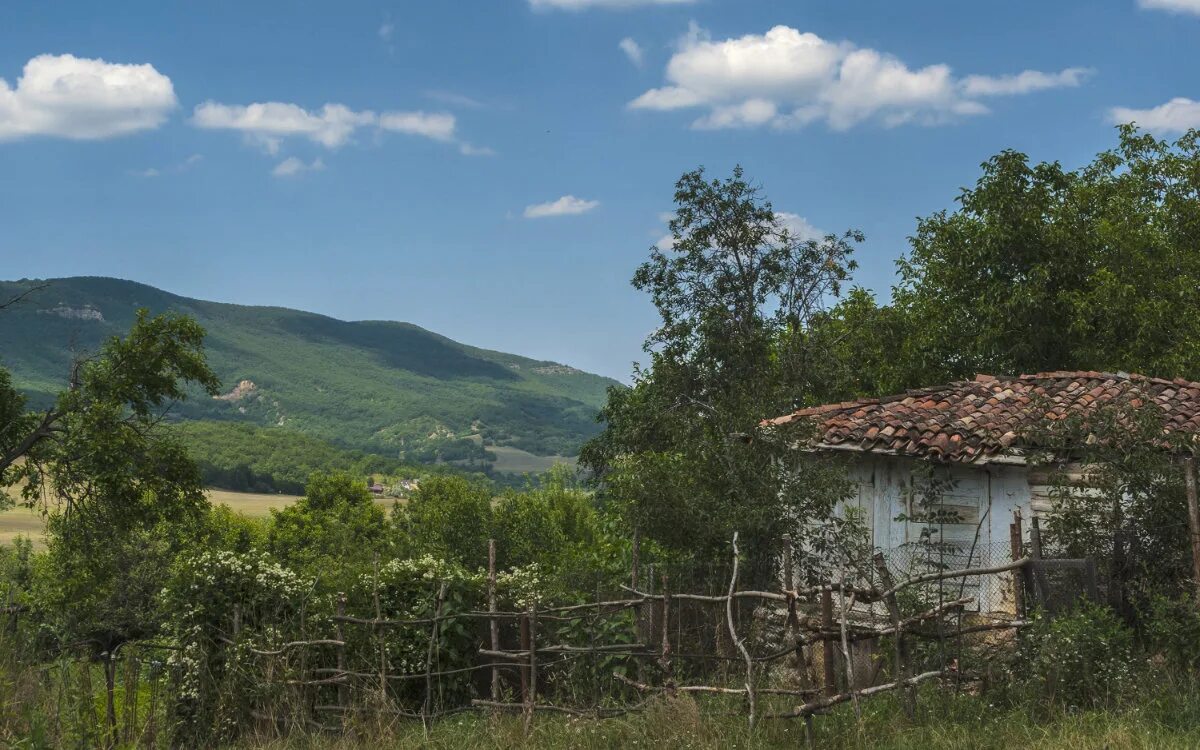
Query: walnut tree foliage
{"points": [[1039, 268], [119, 492], [681, 452]]}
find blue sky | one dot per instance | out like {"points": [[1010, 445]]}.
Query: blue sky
{"points": [[495, 170]]}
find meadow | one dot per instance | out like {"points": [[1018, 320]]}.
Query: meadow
{"points": [[29, 522]]}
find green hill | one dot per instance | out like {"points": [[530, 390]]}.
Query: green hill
{"points": [[379, 387]]}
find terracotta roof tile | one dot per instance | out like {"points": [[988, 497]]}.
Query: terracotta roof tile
{"points": [[967, 420]]}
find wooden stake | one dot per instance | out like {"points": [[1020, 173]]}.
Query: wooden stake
{"points": [[828, 654], [427, 707], [341, 650], [532, 699], [737, 642], [665, 660], [901, 655], [1189, 477], [494, 623]]}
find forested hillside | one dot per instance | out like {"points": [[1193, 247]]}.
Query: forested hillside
{"points": [[388, 388]]}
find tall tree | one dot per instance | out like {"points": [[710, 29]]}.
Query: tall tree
{"points": [[735, 291], [120, 492], [1041, 268]]}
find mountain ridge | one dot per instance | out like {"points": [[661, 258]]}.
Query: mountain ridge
{"points": [[388, 387]]}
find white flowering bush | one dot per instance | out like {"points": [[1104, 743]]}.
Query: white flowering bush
{"points": [[408, 591], [521, 587], [218, 605]]}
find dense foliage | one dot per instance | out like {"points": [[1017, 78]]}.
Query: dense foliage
{"points": [[1039, 268], [735, 292]]}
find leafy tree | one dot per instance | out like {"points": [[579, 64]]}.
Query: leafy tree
{"points": [[735, 292], [120, 493], [1040, 268], [450, 517], [332, 533]]}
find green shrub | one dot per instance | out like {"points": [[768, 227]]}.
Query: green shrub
{"points": [[1081, 659], [1172, 629]]}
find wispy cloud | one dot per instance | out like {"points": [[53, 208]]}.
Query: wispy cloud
{"points": [[632, 50], [568, 205], [466, 149], [176, 168], [610, 4], [332, 126], [1174, 6], [84, 99], [454, 99], [291, 167]]}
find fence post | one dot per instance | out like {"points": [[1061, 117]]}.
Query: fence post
{"points": [[733, 636], [493, 621], [524, 629], [665, 660], [378, 635], [828, 650], [635, 553], [427, 707], [1042, 590], [1014, 545], [901, 652], [531, 700], [341, 654], [1189, 477]]}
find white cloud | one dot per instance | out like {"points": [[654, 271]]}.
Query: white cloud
{"points": [[796, 225], [1175, 116], [436, 125], [81, 98], [454, 99], [466, 149], [291, 166], [268, 123], [1024, 82], [788, 78], [568, 205], [632, 50], [1175, 6], [585, 4], [182, 166], [386, 30]]}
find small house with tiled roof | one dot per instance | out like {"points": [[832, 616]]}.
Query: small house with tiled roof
{"points": [[972, 431]]}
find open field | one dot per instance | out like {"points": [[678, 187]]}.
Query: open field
{"points": [[516, 461], [20, 521]]}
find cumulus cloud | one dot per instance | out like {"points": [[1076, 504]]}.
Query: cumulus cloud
{"points": [[568, 205], [632, 50], [788, 78], [83, 99], [268, 123], [1176, 116], [1175, 6], [291, 167], [585, 4]]}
